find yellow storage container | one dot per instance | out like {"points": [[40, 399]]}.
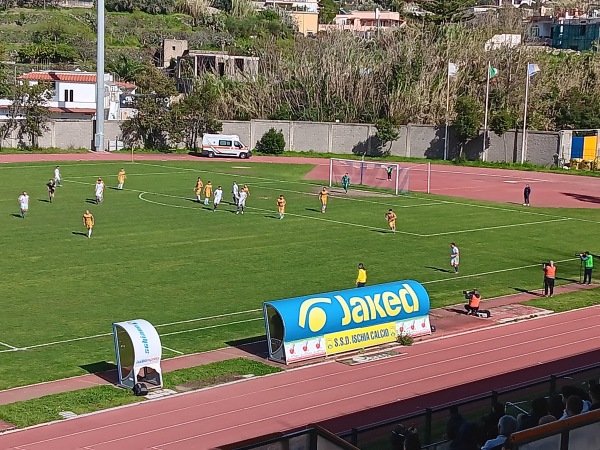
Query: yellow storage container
{"points": [[590, 143]]}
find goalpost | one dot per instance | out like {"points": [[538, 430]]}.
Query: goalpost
{"points": [[369, 173]]}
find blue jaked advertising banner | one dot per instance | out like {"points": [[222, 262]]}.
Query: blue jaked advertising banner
{"points": [[338, 321]]}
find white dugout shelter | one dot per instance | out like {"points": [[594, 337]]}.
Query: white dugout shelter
{"points": [[138, 352]]}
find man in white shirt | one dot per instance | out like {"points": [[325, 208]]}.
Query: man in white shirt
{"points": [[23, 203], [241, 202], [99, 191], [218, 197], [507, 425], [235, 193], [454, 257], [57, 176]]}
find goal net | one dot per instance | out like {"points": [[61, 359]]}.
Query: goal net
{"points": [[388, 176]]}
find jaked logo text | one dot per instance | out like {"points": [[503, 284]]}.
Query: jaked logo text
{"points": [[359, 310]]}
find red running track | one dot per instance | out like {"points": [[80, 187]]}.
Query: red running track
{"points": [[289, 400]]}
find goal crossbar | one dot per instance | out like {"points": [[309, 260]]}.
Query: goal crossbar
{"points": [[369, 173]]}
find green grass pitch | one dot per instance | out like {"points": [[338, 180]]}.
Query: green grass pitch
{"points": [[201, 276]]}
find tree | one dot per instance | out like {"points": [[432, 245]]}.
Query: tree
{"points": [[196, 114], [271, 143], [387, 133], [468, 119], [578, 110], [126, 67], [30, 113], [152, 123], [446, 11]]}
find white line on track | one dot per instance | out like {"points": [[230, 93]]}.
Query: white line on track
{"points": [[468, 356]]}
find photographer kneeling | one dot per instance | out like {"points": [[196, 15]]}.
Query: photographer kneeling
{"points": [[474, 299]]}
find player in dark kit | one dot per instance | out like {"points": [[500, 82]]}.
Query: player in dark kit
{"points": [[526, 194], [51, 188]]}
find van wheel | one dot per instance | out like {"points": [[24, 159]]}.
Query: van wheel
{"points": [[243, 155], [211, 154]]}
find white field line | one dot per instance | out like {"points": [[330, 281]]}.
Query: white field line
{"points": [[211, 326], [441, 280], [128, 175], [410, 197], [496, 227], [9, 346], [141, 197], [171, 350], [493, 272], [95, 336], [473, 230]]}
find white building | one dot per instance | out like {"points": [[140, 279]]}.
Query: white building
{"points": [[75, 94]]}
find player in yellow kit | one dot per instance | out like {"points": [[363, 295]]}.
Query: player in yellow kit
{"points": [[198, 189], [88, 222], [281, 206], [391, 218], [323, 195], [208, 190], [121, 177]]}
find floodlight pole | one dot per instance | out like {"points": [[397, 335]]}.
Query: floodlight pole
{"points": [[99, 137]]}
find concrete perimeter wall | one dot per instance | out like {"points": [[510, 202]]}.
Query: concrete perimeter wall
{"points": [[417, 141]]}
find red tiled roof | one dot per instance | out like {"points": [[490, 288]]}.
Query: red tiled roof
{"points": [[59, 76], [54, 109]]}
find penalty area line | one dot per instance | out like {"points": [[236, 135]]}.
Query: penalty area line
{"points": [[9, 346], [171, 350]]}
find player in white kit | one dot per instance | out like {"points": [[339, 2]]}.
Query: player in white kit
{"points": [[23, 203], [57, 176], [241, 202], [218, 197], [99, 191]]}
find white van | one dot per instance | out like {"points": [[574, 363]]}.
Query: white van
{"points": [[224, 145]]}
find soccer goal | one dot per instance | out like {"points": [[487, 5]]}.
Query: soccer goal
{"points": [[369, 173]]}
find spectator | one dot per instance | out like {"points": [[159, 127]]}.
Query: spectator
{"points": [[490, 421], [595, 397], [574, 406], [454, 423], [397, 438], [411, 440], [555, 405], [539, 409], [507, 425], [569, 391], [547, 419], [466, 437]]}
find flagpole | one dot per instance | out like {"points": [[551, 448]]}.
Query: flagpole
{"points": [[524, 141], [447, 110], [485, 120]]}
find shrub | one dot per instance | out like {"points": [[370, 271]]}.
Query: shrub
{"points": [[405, 339], [272, 143]]}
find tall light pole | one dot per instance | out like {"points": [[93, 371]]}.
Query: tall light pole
{"points": [[99, 136]]}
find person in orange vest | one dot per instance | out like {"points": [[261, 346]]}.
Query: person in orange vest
{"points": [[549, 277], [474, 300]]}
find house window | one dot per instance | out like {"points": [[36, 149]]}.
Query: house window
{"points": [[68, 95], [535, 31]]}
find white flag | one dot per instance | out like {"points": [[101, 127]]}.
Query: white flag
{"points": [[452, 69]]}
